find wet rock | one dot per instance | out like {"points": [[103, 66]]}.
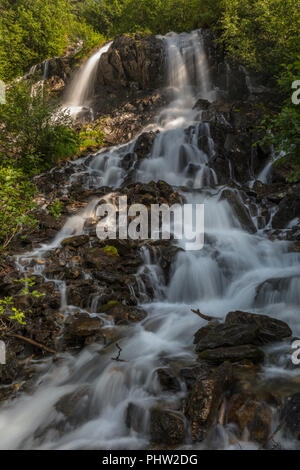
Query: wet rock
{"points": [[269, 329], [98, 258], [190, 374], [225, 335], [128, 161], [132, 62], [240, 210], [75, 242], [232, 354], [75, 406], [144, 144], [251, 415], [135, 418], [166, 427], [288, 210], [122, 314], [82, 325], [204, 400], [201, 104], [291, 415], [168, 381]]}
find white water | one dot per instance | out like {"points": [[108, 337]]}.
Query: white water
{"points": [[223, 277], [81, 89]]}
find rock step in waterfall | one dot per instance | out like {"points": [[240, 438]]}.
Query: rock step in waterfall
{"points": [[165, 390]]}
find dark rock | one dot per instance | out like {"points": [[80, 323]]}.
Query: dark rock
{"points": [[291, 415], [240, 210], [168, 381], [252, 415], [75, 406], [81, 326], [205, 398], [269, 329], [75, 242], [144, 144], [225, 335], [232, 354], [123, 314], [166, 427], [201, 104], [289, 209], [138, 61], [135, 418]]}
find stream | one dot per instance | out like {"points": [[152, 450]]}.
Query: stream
{"points": [[222, 277]]}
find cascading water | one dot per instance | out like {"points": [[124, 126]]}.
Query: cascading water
{"points": [[230, 273], [82, 87]]}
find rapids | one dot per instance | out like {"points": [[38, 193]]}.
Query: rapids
{"points": [[222, 277]]}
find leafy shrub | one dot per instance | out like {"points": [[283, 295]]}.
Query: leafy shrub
{"points": [[35, 132], [16, 204]]}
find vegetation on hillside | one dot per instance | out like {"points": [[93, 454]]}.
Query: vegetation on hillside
{"points": [[261, 34]]}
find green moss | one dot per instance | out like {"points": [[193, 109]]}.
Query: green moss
{"points": [[111, 250]]}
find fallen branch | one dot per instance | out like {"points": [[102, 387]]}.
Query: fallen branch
{"points": [[34, 343], [205, 317], [117, 359]]}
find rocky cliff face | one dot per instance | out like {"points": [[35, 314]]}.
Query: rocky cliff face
{"points": [[136, 63]]}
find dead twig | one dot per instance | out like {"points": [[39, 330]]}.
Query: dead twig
{"points": [[31, 341], [117, 359], [205, 317]]}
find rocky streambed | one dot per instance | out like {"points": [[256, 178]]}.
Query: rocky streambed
{"points": [[134, 366]]}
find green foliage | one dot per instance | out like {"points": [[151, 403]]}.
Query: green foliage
{"points": [[56, 209], [16, 204], [7, 309], [35, 132], [31, 31], [111, 17], [261, 33], [283, 130], [91, 135]]}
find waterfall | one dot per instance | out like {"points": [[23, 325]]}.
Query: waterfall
{"points": [[82, 86], [226, 275]]}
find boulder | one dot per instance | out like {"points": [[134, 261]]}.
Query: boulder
{"points": [[166, 427], [291, 415], [248, 353], [269, 329], [251, 415], [205, 398], [168, 381]]}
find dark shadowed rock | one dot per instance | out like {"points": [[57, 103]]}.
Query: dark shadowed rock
{"points": [[269, 329], [289, 209], [205, 398], [144, 144], [250, 414], [75, 242], [291, 415], [135, 417], [232, 354], [129, 61], [240, 210], [168, 381], [166, 427]]}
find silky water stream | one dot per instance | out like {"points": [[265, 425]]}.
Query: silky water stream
{"points": [[220, 278]]}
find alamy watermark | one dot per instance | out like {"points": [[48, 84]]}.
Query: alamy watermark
{"points": [[296, 94], [161, 222], [296, 354], [2, 92]]}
